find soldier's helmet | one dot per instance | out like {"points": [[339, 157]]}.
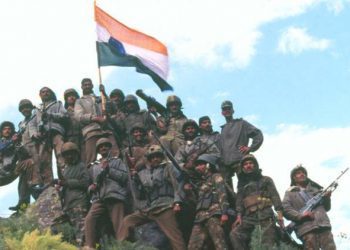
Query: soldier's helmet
{"points": [[226, 104], [69, 146], [154, 150], [173, 99], [68, 92], [190, 122], [102, 141], [23, 103], [294, 170], [139, 126], [131, 98], [7, 124], [118, 92], [250, 157], [208, 158]]}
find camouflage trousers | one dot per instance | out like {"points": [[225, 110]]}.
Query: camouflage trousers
{"points": [[200, 233], [228, 171], [77, 219], [240, 236], [319, 239]]}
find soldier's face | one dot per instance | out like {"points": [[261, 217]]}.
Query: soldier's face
{"points": [[137, 134], [71, 99], [227, 111], [70, 157], [174, 107], [131, 107], [104, 149], [116, 99], [201, 168], [26, 111], [299, 176], [155, 160], [190, 131], [206, 126], [6, 132], [45, 94], [248, 166], [87, 87]]}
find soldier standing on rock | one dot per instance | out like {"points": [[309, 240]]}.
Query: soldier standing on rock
{"points": [[212, 205], [88, 111], [48, 129], [235, 135], [74, 184], [255, 198], [109, 191], [28, 178], [312, 227]]}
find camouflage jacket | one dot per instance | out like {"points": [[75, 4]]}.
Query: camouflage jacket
{"points": [[237, 133], [142, 117], [57, 119], [212, 198], [24, 128], [157, 186], [256, 197], [138, 152], [293, 201], [114, 184], [172, 126], [76, 178]]}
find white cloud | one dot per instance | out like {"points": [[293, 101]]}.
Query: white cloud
{"points": [[296, 40], [221, 94], [336, 6]]}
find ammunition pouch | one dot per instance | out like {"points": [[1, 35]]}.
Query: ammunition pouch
{"points": [[256, 202]]}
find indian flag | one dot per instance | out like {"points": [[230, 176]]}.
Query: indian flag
{"points": [[120, 45]]}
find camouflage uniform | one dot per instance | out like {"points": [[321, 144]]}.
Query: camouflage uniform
{"points": [[159, 188], [73, 133], [255, 197], [109, 196], [87, 107], [75, 197], [51, 131], [316, 233], [211, 204]]}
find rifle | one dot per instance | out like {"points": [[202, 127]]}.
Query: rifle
{"points": [[152, 102], [316, 200], [103, 174], [285, 235]]}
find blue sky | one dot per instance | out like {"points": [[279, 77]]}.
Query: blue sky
{"points": [[284, 64]]}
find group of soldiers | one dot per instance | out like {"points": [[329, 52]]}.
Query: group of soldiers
{"points": [[155, 166]]}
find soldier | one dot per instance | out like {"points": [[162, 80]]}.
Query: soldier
{"points": [[135, 115], [48, 129], [235, 135], [206, 131], [313, 228], [74, 184], [212, 205], [157, 185], [118, 113], [139, 144], [109, 190], [73, 133], [255, 197], [186, 155], [7, 153], [88, 112], [171, 125], [28, 178]]}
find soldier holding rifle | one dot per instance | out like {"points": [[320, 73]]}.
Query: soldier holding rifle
{"points": [[312, 225]]}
